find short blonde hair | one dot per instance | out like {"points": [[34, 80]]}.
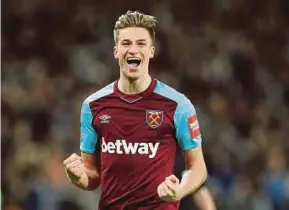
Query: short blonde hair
{"points": [[135, 19]]}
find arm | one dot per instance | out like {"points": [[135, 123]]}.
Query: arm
{"points": [[188, 136], [195, 174], [92, 167], [84, 171]]}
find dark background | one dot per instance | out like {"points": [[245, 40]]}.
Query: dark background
{"points": [[230, 57]]}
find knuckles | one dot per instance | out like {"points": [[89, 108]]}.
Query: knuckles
{"points": [[72, 158]]}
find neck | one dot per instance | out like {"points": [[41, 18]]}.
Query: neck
{"points": [[128, 86]]}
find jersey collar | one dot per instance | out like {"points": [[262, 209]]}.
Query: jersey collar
{"points": [[131, 98]]}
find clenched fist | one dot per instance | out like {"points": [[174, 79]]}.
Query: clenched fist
{"points": [[74, 167], [168, 190]]}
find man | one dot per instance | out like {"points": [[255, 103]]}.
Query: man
{"points": [[136, 122]]}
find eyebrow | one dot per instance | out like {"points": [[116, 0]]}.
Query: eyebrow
{"points": [[139, 40]]}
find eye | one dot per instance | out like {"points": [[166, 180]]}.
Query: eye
{"points": [[141, 44], [125, 43]]}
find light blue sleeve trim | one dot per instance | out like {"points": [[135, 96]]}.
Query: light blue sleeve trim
{"points": [[107, 90], [88, 134], [184, 110]]}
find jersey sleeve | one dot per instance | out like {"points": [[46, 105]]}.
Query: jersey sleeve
{"points": [[187, 127], [88, 135]]}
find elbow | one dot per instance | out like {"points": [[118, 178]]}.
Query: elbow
{"points": [[205, 175], [202, 182], [204, 179], [204, 171]]}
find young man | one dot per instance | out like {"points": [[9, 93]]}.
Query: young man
{"points": [[136, 122]]}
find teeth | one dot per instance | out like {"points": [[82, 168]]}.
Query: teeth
{"points": [[131, 59]]}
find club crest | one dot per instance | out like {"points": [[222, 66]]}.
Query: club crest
{"points": [[154, 118]]}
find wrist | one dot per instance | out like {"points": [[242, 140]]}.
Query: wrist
{"points": [[81, 182]]}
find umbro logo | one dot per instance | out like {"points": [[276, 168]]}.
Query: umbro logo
{"points": [[104, 118]]}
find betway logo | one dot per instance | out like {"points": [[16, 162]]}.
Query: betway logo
{"points": [[123, 147]]}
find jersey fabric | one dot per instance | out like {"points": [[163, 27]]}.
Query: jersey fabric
{"points": [[137, 135]]}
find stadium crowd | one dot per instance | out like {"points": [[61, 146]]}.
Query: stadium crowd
{"points": [[230, 57]]}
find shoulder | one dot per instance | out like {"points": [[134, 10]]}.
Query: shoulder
{"points": [[105, 91], [170, 93]]}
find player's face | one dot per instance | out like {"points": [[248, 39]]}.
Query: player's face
{"points": [[134, 50]]}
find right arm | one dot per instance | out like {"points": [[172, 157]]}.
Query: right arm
{"points": [[84, 171]]}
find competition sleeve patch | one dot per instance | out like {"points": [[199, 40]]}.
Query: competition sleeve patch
{"points": [[194, 126]]}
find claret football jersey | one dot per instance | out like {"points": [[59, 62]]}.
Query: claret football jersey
{"points": [[137, 136]]}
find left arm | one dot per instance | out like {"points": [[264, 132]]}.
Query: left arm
{"points": [[188, 135], [195, 174]]}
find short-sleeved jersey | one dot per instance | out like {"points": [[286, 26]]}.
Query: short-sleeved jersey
{"points": [[138, 137]]}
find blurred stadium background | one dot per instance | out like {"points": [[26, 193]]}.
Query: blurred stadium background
{"points": [[230, 57]]}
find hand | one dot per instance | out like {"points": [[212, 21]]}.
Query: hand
{"points": [[169, 189], [74, 167]]}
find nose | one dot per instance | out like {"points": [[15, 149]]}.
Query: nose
{"points": [[133, 49]]}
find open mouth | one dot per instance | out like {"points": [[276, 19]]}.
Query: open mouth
{"points": [[133, 62]]}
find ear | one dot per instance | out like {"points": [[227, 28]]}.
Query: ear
{"points": [[152, 51], [115, 52]]}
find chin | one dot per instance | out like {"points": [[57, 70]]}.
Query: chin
{"points": [[132, 76], [132, 73]]}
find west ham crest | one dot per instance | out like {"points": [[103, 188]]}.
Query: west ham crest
{"points": [[154, 118]]}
